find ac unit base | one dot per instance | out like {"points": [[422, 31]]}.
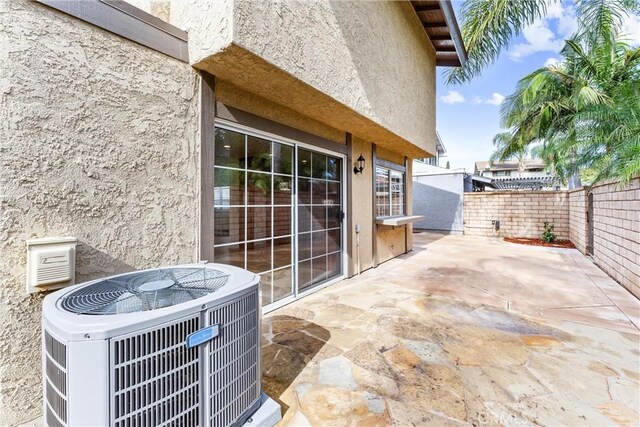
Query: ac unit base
{"points": [[267, 415]]}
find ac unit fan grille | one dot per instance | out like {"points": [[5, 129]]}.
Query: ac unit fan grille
{"points": [[144, 290], [56, 405], [234, 380], [155, 377]]}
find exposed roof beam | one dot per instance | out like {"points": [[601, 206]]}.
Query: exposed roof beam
{"points": [[442, 29], [454, 62], [454, 30], [436, 24], [427, 8], [437, 37]]}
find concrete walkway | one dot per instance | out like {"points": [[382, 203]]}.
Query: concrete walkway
{"points": [[461, 331]]}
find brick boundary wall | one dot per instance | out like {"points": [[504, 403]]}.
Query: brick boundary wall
{"points": [[521, 214], [578, 219], [616, 222], [616, 239]]}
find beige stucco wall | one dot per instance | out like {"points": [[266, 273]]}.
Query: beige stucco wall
{"points": [[233, 96], [390, 240], [97, 141], [362, 67], [362, 205]]}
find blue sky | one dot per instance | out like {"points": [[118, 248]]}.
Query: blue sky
{"points": [[468, 115]]}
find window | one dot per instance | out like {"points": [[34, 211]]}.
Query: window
{"points": [[293, 240], [502, 173], [253, 209], [389, 192]]}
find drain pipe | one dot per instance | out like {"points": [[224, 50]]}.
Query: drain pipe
{"points": [[358, 247]]}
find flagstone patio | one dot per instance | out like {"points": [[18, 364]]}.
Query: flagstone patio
{"points": [[461, 331]]}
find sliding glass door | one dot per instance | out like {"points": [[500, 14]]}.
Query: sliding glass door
{"points": [[319, 218], [292, 239]]}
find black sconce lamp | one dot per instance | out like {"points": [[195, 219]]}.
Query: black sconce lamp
{"points": [[358, 169]]}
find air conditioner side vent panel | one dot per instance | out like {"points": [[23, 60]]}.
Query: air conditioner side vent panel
{"points": [[234, 380], [155, 377], [56, 399]]}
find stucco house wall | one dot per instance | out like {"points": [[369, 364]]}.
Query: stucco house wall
{"points": [[321, 59], [362, 214], [439, 198], [100, 136], [97, 141], [318, 67], [391, 70]]}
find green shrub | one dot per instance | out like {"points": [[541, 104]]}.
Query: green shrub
{"points": [[548, 235]]}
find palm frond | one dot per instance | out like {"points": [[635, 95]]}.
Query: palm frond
{"points": [[487, 27]]}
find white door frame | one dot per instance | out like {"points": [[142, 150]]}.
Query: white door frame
{"points": [[229, 125]]}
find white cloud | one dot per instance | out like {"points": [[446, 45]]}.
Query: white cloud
{"points": [[539, 36], [551, 61], [452, 97], [560, 23], [496, 99], [565, 19], [631, 30]]}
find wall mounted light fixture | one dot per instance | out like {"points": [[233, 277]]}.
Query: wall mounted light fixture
{"points": [[360, 165]]}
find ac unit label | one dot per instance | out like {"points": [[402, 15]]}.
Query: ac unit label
{"points": [[203, 335]]}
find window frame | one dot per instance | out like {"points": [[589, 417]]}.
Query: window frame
{"points": [[390, 202]]}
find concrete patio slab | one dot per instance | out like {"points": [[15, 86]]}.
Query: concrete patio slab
{"points": [[461, 331]]}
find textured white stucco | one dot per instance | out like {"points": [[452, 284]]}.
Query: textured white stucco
{"points": [[371, 56], [98, 135], [209, 24], [365, 67], [98, 140]]}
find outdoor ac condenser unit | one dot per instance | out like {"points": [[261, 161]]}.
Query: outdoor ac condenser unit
{"points": [[169, 346]]}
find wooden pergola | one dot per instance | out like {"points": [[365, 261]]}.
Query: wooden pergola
{"points": [[439, 22]]}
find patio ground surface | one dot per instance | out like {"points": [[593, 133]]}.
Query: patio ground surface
{"points": [[461, 331]]}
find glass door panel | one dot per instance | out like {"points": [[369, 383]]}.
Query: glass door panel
{"points": [[256, 215], [319, 218], [253, 209]]}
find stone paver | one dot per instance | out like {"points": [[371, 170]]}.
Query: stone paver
{"points": [[461, 331]]}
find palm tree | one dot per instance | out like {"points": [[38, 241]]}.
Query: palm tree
{"points": [[507, 148], [583, 110], [488, 26]]}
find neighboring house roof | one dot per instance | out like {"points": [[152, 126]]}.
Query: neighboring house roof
{"points": [[505, 166], [439, 145], [421, 169], [523, 183], [439, 22], [532, 183]]}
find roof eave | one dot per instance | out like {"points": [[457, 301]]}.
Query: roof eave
{"points": [[439, 23], [439, 142], [454, 30]]}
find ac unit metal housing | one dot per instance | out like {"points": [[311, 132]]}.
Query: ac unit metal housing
{"points": [[132, 366]]}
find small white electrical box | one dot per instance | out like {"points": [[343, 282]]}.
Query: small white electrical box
{"points": [[51, 263]]}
